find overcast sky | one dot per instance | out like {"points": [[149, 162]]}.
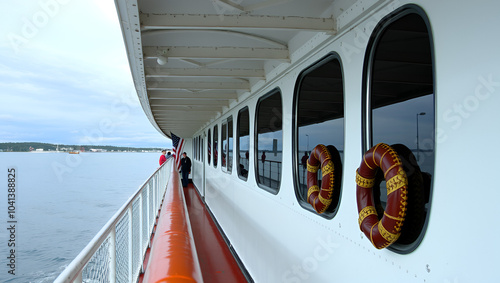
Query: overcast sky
{"points": [[65, 78]]}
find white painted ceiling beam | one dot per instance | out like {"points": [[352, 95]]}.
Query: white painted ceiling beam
{"points": [[263, 5], [187, 115], [204, 72], [228, 4], [244, 21], [185, 52], [182, 111], [187, 108], [199, 85], [234, 35], [184, 114], [184, 119], [190, 117], [184, 122], [190, 102], [158, 95]]}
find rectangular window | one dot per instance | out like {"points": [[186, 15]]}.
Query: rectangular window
{"points": [[400, 99], [224, 146], [198, 148], [215, 149], [195, 148], [209, 147], [269, 141], [230, 144], [319, 121], [243, 143]]}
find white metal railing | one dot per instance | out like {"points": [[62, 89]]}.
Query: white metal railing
{"points": [[116, 253]]}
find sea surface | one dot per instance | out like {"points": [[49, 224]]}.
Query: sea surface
{"points": [[62, 201]]}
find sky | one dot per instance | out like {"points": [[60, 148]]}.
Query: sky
{"points": [[65, 77]]}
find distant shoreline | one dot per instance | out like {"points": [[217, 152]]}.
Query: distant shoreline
{"points": [[83, 152], [49, 147]]}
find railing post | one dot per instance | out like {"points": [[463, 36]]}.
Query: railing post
{"points": [[147, 213], [130, 246], [155, 186], [112, 255], [141, 248], [279, 170], [108, 233], [158, 191], [270, 174], [79, 278], [154, 195]]}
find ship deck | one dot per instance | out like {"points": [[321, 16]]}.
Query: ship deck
{"points": [[217, 262]]}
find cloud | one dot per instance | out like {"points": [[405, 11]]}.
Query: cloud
{"points": [[68, 76]]}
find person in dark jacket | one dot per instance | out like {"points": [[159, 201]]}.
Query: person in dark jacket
{"points": [[185, 169]]}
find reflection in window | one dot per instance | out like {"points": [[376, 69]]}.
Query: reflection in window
{"points": [[223, 140], [320, 120], [401, 107], [199, 148], [230, 144], [215, 149], [269, 141], [195, 148], [243, 142], [209, 147]]}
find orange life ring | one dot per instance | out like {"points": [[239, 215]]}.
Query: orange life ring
{"points": [[385, 232], [320, 199]]}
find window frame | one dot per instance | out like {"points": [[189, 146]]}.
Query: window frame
{"points": [[215, 146], [195, 150], [273, 191], [295, 130], [230, 144], [367, 119], [223, 139], [199, 148], [237, 138], [209, 147]]}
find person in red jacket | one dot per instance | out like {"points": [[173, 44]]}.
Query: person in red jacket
{"points": [[162, 157]]}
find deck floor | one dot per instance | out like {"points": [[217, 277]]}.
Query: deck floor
{"points": [[216, 261]]}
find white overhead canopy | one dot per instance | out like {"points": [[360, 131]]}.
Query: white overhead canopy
{"points": [[191, 59]]}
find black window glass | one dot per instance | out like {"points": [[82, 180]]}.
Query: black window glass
{"points": [[224, 145], [320, 120], [243, 142], [195, 150], [230, 144], [215, 149], [400, 99], [269, 141], [199, 148], [209, 147], [201, 151]]}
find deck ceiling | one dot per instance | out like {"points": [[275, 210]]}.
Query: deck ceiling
{"points": [[191, 59]]}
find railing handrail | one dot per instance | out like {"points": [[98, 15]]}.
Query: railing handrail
{"points": [[74, 269], [173, 251], [270, 161], [150, 177]]}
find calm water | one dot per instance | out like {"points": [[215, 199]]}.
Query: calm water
{"points": [[63, 200]]}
